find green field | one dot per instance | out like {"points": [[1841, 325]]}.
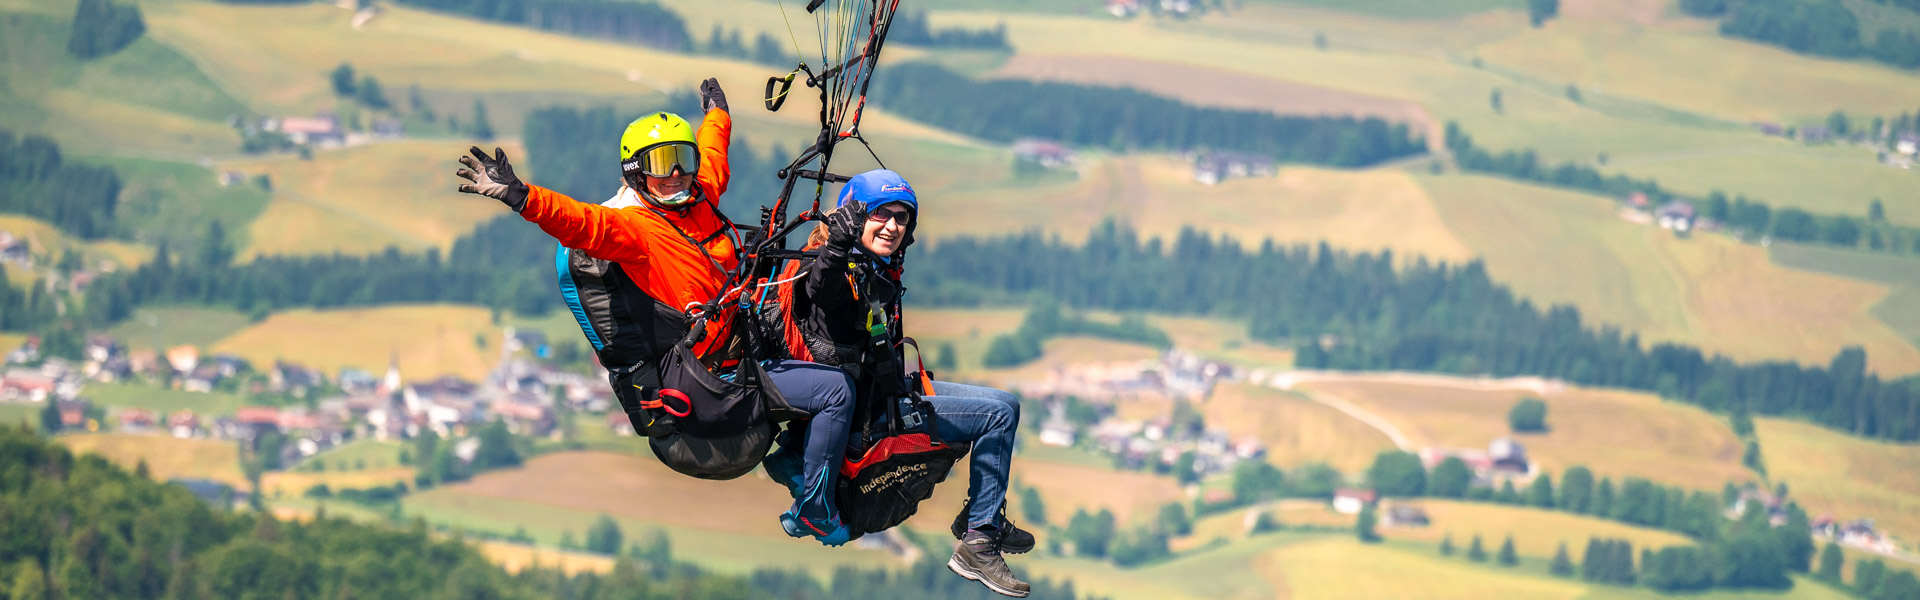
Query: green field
{"points": [[1296, 431], [146, 100], [1900, 273], [1828, 180], [162, 328], [1557, 246], [162, 400], [12, 415], [373, 454], [1406, 9], [1616, 434], [175, 202], [429, 340], [48, 244], [1847, 477], [167, 457]]}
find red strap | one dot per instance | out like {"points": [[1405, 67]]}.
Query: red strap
{"points": [[662, 404]]}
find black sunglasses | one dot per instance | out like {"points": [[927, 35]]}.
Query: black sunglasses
{"points": [[902, 217]]}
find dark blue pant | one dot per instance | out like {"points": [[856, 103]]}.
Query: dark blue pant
{"points": [[827, 394]]}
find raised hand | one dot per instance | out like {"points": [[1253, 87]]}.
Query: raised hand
{"points": [[492, 177]]}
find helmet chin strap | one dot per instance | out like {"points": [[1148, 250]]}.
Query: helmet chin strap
{"points": [[653, 200]]}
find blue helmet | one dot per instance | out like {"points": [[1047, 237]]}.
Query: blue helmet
{"points": [[881, 186], [877, 187]]}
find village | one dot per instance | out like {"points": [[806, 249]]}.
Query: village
{"points": [[318, 412]]}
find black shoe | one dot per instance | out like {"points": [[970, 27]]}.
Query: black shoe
{"points": [[1013, 539], [977, 557]]}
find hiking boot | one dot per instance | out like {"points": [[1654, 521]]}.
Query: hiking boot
{"points": [[1012, 539], [977, 557], [830, 532]]}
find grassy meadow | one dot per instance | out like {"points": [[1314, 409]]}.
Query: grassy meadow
{"points": [[1564, 247], [161, 328], [48, 243], [428, 340], [1899, 310], [167, 457], [365, 199], [1846, 477], [161, 400], [1616, 434], [1537, 533], [1295, 430]]}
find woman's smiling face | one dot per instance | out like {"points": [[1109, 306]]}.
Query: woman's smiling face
{"points": [[886, 228]]}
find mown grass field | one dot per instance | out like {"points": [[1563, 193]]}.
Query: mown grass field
{"points": [[14, 415], [278, 57], [167, 457], [1829, 180], [1157, 196], [429, 340], [1686, 64], [1616, 434], [362, 200], [48, 243], [727, 525], [1403, 9], [1221, 573], [178, 202], [1295, 430], [162, 400], [514, 557], [145, 100], [375, 453], [166, 327], [1563, 247], [1342, 567], [290, 484], [1899, 310], [1847, 477], [1536, 532], [1221, 340]]}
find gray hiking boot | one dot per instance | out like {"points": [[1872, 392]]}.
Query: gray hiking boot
{"points": [[977, 557]]}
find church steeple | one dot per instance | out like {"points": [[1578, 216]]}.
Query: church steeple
{"points": [[392, 382]]}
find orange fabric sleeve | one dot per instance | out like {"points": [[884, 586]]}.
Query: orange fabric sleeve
{"points": [[715, 133], [605, 233]]}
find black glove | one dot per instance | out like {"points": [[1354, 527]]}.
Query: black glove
{"points": [[493, 178], [844, 226], [710, 95]]}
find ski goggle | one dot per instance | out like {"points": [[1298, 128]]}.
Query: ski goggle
{"points": [[660, 160]]}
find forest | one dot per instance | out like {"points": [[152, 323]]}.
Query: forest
{"points": [[102, 27], [1124, 119], [79, 199], [1816, 27]]}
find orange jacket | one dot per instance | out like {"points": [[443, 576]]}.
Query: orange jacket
{"points": [[650, 248]]}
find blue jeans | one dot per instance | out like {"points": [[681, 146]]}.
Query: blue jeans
{"points": [[826, 393], [987, 418]]}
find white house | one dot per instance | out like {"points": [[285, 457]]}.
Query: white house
{"points": [[1351, 502]]}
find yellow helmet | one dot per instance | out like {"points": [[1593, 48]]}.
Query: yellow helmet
{"points": [[659, 145], [653, 129]]}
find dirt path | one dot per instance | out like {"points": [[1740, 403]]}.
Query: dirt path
{"points": [[1290, 381]]}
